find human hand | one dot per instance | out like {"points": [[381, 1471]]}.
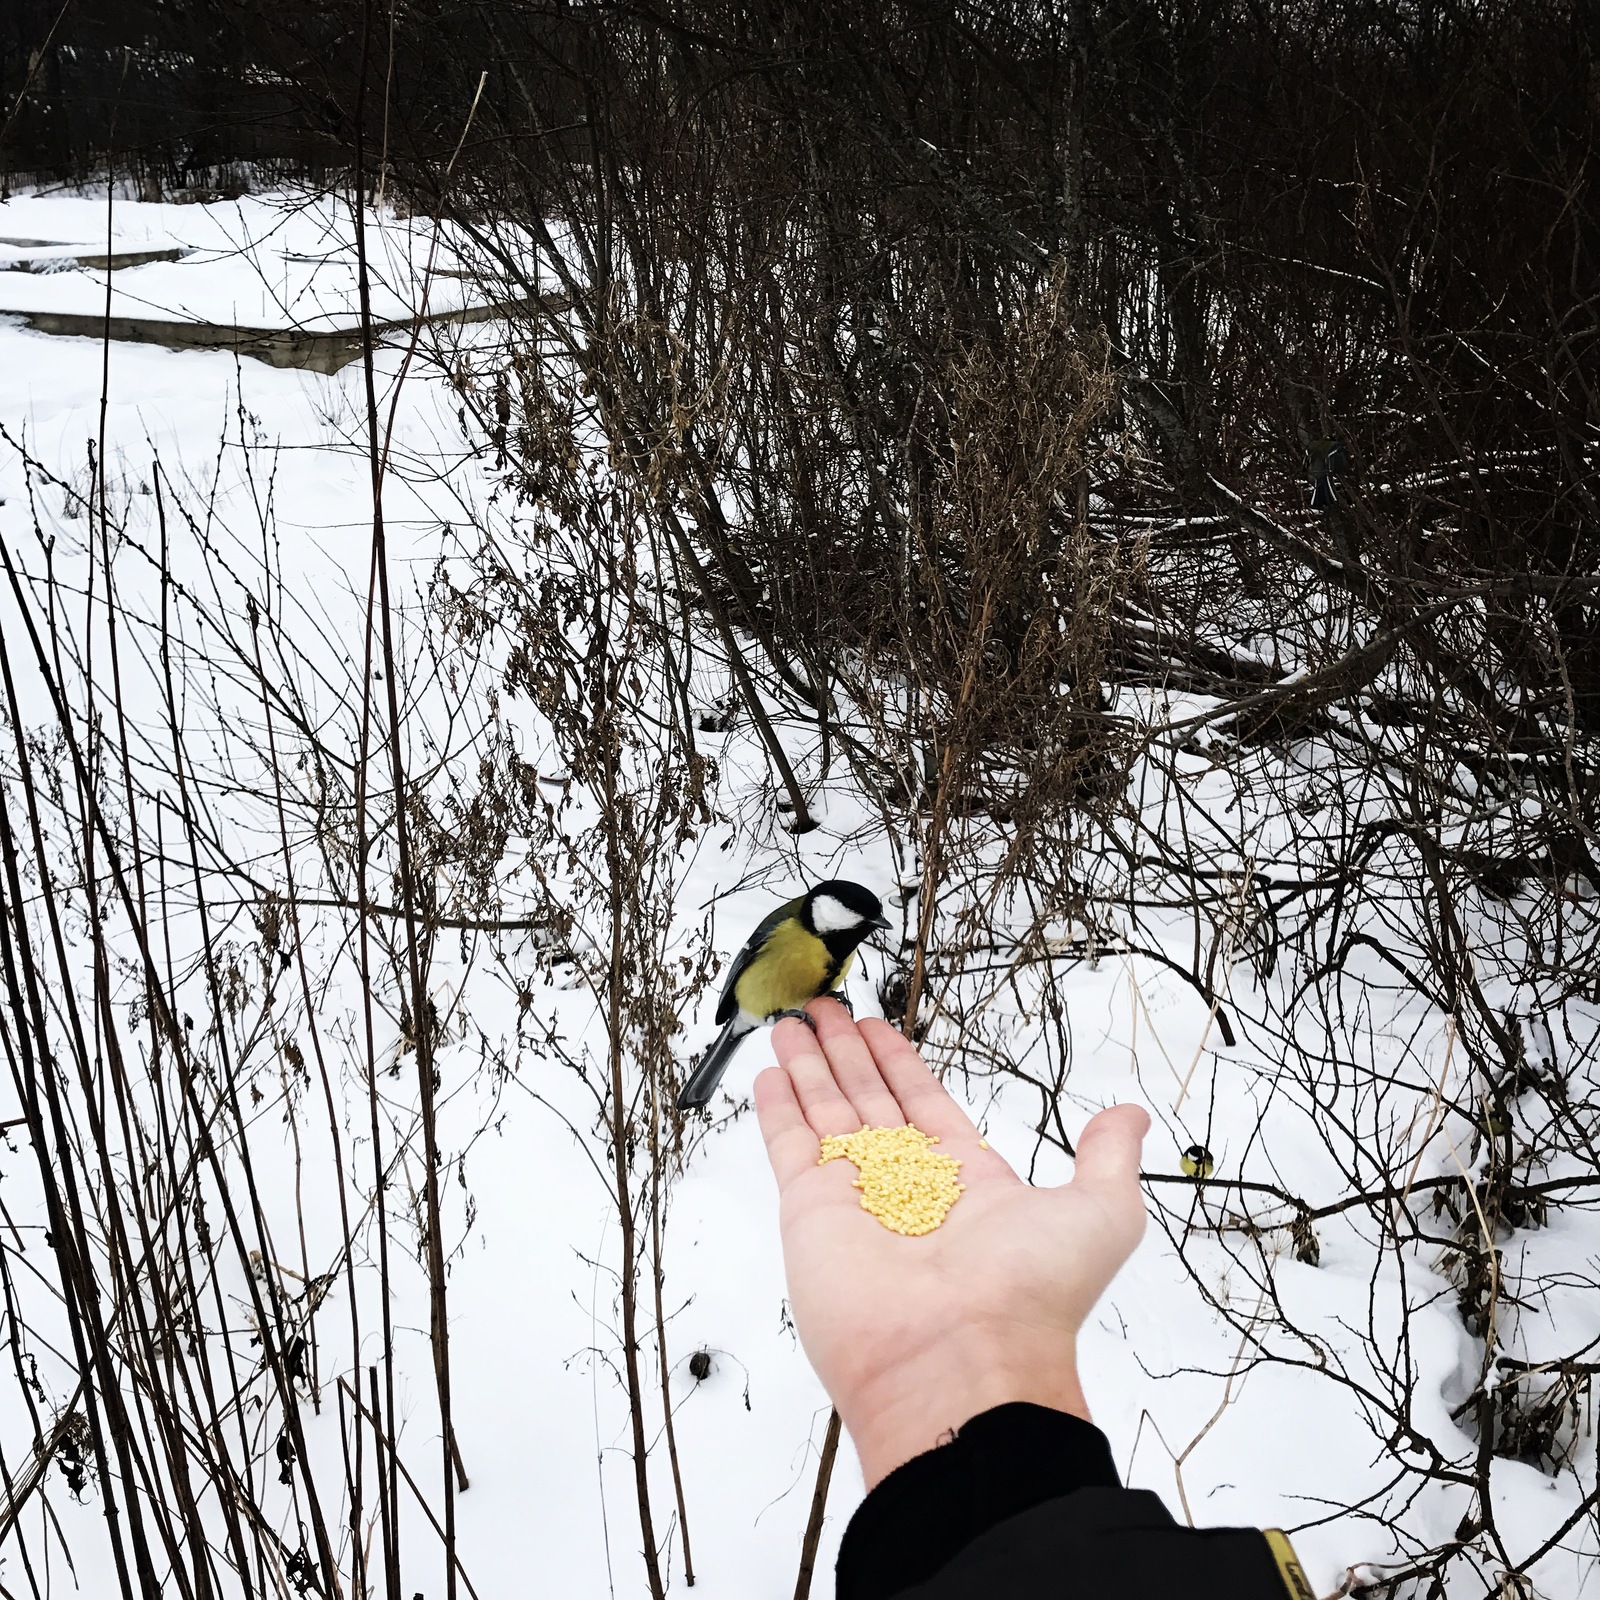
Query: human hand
{"points": [[913, 1337]]}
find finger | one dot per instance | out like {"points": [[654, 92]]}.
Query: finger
{"points": [[854, 1069], [1108, 1148], [791, 1145], [922, 1099], [826, 1108]]}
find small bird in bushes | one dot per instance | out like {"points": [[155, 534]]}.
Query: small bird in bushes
{"points": [[1327, 462], [1570, 860], [1196, 1162], [798, 953]]}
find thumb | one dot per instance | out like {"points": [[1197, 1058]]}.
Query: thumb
{"points": [[1108, 1148]]}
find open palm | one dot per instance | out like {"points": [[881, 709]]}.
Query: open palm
{"points": [[912, 1337]]}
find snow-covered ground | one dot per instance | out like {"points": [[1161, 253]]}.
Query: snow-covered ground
{"points": [[253, 262], [266, 496]]}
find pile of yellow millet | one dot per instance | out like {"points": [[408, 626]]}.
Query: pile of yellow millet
{"points": [[903, 1183]]}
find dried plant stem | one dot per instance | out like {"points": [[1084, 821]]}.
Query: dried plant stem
{"points": [[656, 1276], [819, 1506], [620, 1132], [399, 1467], [421, 1008]]}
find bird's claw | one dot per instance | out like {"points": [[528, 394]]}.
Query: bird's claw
{"points": [[797, 1014]]}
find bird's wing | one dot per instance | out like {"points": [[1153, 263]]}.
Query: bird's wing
{"points": [[727, 1005]]}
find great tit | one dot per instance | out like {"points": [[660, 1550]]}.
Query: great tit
{"points": [[1197, 1162], [1327, 461], [797, 953]]}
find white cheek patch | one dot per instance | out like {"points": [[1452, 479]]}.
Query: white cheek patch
{"points": [[833, 916]]}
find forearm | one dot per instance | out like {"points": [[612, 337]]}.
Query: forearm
{"points": [[919, 1403]]}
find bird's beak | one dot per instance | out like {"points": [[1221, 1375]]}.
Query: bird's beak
{"points": [[878, 924]]}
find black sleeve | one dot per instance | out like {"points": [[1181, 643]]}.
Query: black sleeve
{"points": [[1024, 1502]]}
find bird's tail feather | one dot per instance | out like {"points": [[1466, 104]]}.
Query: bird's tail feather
{"points": [[700, 1088]]}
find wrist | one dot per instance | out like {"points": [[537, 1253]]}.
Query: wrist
{"points": [[920, 1403]]}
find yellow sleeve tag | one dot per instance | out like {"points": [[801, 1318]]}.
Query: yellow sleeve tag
{"points": [[1289, 1568]]}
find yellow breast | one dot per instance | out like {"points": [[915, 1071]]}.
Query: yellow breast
{"points": [[792, 968]]}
